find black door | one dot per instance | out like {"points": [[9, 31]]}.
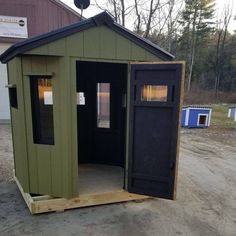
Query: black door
{"points": [[154, 127], [101, 89]]}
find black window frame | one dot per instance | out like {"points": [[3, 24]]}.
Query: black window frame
{"points": [[35, 111], [13, 97]]}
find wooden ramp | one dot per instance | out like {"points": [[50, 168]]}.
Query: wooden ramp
{"points": [[42, 204]]}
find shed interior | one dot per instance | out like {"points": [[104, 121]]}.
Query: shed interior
{"points": [[101, 116]]}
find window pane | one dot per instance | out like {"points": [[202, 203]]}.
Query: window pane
{"points": [[13, 97], [154, 93], [103, 105], [42, 110], [202, 120]]}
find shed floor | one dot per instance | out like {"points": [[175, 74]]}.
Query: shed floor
{"points": [[95, 178]]}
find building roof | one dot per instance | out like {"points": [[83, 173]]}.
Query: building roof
{"points": [[103, 18], [197, 107], [63, 5]]}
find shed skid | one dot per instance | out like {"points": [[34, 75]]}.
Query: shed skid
{"points": [[43, 204]]}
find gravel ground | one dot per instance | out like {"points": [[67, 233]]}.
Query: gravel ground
{"points": [[205, 205], [6, 154]]}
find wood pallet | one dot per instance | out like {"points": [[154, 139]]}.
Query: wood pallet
{"points": [[42, 204]]}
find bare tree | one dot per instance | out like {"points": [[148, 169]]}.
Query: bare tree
{"points": [[146, 16], [221, 34]]}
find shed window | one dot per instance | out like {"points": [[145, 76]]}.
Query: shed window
{"points": [[103, 105], [154, 93], [13, 97], [42, 109]]}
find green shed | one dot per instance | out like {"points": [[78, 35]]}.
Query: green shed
{"points": [[95, 115]]}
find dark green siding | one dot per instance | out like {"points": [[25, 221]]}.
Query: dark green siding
{"points": [[96, 43], [19, 125], [52, 169]]}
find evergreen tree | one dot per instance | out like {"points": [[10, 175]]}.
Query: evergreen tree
{"points": [[197, 25]]}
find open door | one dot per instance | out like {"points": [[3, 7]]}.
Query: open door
{"points": [[155, 108]]}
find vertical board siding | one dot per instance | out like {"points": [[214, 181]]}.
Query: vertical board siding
{"points": [[77, 45], [18, 125], [50, 165], [107, 43], [123, 48], [92, 41], [43, 153], [73, 123], [56, 163], [57, 48], [137, 53], [32, 157], [96, 43], [65, 132]]}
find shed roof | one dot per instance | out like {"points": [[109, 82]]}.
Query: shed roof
{"points": [[103, 18], [197, 107]]}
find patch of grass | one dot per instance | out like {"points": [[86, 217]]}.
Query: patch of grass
{"points": [[220, 117]]}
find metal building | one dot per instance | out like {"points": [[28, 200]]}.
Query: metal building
{"points": [[23, 19]]}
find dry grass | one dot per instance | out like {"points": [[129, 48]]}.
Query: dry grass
{"points": [[222, 128], [220, 119], [197, 96]]}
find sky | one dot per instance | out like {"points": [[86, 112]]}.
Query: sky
{"points": [[220, 4]]}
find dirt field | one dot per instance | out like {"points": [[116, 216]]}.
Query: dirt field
{"points": [[205, 205]]}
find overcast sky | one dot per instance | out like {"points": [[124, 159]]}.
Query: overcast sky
{"points": [[93, 10]]}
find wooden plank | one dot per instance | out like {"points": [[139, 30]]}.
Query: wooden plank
{"points": [[19, 138], [74, 142], [60, 204], [42, 204], [159, 62], [44, 168], [29, 201], [42, 50], [75, 45], [55, 161], [32, 157], [57, 47], [179, 127], [65, 132], [38, 64], [123, 48], [107, 43], [137, 53], [91, 43]]}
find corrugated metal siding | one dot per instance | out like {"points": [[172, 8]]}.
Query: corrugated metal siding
{"points": [[42, 15]]}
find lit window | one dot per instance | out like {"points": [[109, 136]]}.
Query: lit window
{"points": [[154, 93], [42, 110], [103, 105]]}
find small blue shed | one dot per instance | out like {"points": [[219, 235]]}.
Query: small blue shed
{"points": [[232, 113], [196, 117]]}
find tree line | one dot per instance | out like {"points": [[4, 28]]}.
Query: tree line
{"points": [[193, 30]]}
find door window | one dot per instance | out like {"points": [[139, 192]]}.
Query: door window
{"points": [[103, 105], [154, 93]]}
